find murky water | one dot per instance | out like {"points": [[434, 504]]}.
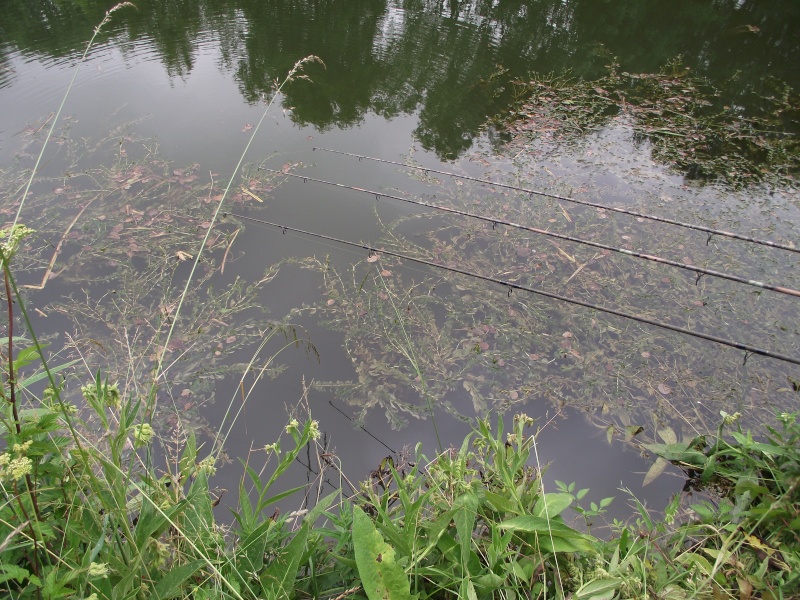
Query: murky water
{"points": [[160, 114]]}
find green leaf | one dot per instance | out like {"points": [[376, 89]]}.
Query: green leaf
{"points": [[600, 589], [25, 357], [43, 374], [501, 503], [320, 507], [381, 577], [250, 552], [564, 538], [551, 505], [153, 521], [466, 509], [278, 497], [199, 515], [171, 585], [9, 572], [278, 580], [678, 453]]}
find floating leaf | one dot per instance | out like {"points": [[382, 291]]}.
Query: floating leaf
{"points": [[655, 470]]}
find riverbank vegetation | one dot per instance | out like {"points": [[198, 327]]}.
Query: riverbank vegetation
{"points": [[86, 513]]}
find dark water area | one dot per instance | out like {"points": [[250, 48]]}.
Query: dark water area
{"points": [[166, 101]]}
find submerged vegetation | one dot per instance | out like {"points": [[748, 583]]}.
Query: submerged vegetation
{"points": [[680, 115]]}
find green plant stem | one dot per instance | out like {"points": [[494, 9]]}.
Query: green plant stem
{"points": [[11, 387], [35, 561]]}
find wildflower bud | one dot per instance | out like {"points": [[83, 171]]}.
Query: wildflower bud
{"points": [[730, 419], [143, 434], [276, 448], [89, 393], [313, 430], [112, 395], [292, 426], [15, 236], [523, 419], [19, 467], [207, 466], [98, 570]]}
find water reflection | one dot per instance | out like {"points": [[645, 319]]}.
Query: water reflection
{"points": [[437, 58]]}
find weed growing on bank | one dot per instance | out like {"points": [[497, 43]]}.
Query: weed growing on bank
{"points": [[85, 514]]}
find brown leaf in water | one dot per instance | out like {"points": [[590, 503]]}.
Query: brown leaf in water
{"points": [[386, 273], [664, 388], [247, 127]]}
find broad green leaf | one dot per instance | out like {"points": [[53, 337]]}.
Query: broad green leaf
{"points": [[467, 591], [199, 515], [170, 585], [466, 508], [278, 580], [152, 520], [501, 503], [551, 505], [9, 572], [600, 589], [381, 577], [250, 552], [677, 453], [564, 538]]}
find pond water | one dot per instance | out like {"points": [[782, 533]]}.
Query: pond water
{"points": [[170, 94]]}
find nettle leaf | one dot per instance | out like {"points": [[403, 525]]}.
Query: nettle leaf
{"points": [[381, 577]]}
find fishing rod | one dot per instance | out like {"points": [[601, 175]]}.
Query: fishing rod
{"points": [[711, 232], [699, 271], [748, 350]]}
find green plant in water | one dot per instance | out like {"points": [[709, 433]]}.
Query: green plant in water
{"points": [[679, 113]]}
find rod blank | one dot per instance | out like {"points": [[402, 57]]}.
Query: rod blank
{"points": [[708, 230], [664, 261]]}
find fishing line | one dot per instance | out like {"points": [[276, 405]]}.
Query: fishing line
{"points": [[748, 350], [711, 232], [699, 271], [361, 427]]}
